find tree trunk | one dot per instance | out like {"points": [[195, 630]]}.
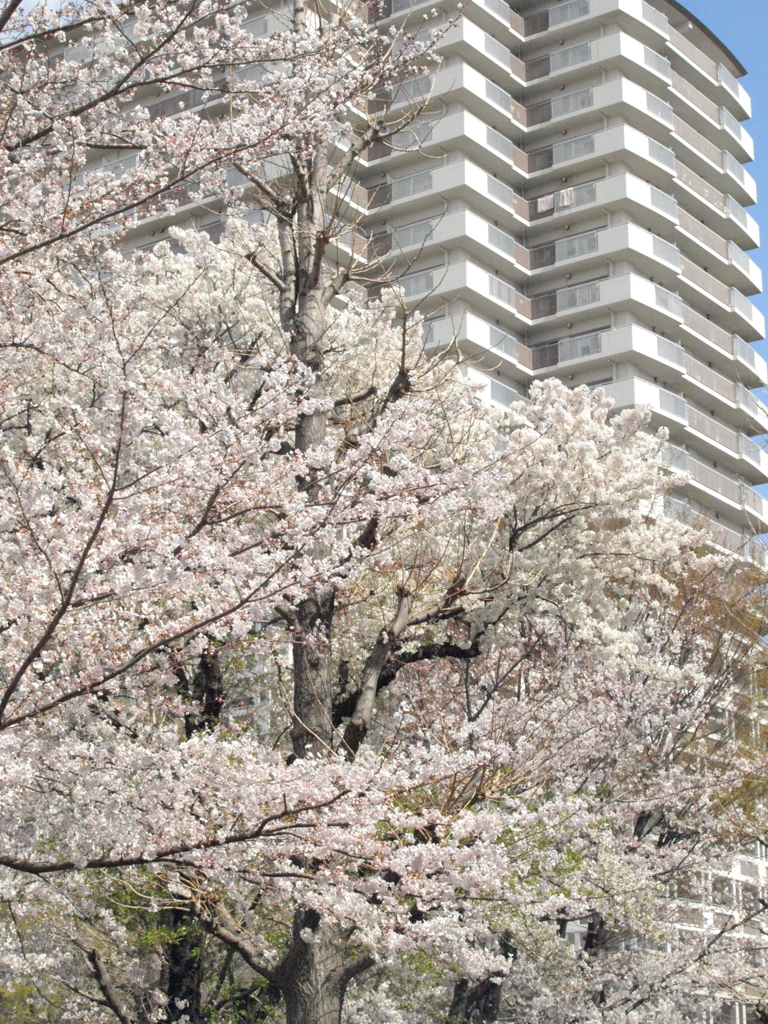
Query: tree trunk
{"points": [[312, 976], [185, 967], [313, 676], [184, 954], [478, 1004]]}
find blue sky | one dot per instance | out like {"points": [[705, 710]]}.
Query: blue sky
{"points": [[743, 27]]}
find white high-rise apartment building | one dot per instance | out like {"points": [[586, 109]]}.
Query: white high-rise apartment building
{"points": [[571, 202]]}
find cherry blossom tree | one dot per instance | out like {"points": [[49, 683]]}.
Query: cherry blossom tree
{"points": [[496, 674], [533, 643]]}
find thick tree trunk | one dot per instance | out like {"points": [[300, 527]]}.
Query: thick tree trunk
{"points": [[313, 676], [312, 975], [477, 1004], [184, 954], [185, 968]]}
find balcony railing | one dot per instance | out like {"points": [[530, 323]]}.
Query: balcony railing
{"points": [[709, 378], [668, 300], [697, 99], [657, 63], [736, 211], [714, 481], [709, 427], [659, 107], [708, 283], [499, 8], [666, 251], [410, 185], [661, 154], [558, 60], [739, 258], [672, 404], [750, 403], [582, 145], [693, 53], [501, 290], [564, 299], [670, 351], [727, 120], [502, 394], [727, 80], [504, 343], [571, 102], [698, 142], [704, 234], [564, 249], [666, 203], [733, 167], [417, 284], [707, 330], [753, 451], [655, 17], [742, 305], [507, 148], [745, 352], [504, 194], [577, 195], [556, 16], [701, 187], [568, 348]]}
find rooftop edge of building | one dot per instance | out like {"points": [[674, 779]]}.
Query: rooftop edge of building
{"points": [[738, 68], [707, 41]]}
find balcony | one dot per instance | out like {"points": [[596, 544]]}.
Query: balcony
{"points": [[565, 300], [649, 254], [463, 83], [724, 537], [462, 130], [640, 63], [658, 357], [490, 390], [737, 224], [464, 229], [556, 16], [735, 267], [603, 348], [637, 106], [629, 292], [724, 493], [711, 77], [495, 15], [492, 295], [462, 179], [754, 364], [730, 306], [635, 15], [486, 345], [730, 448], [712, 119], [645, 157], [711, 161], [485, 52]]}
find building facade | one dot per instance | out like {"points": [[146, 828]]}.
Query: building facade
{"points": [[572, 201]]}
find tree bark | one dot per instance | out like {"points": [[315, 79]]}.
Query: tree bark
{"points": [[316, 971], [477, 1004], [184, 954], [185, 968]]}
